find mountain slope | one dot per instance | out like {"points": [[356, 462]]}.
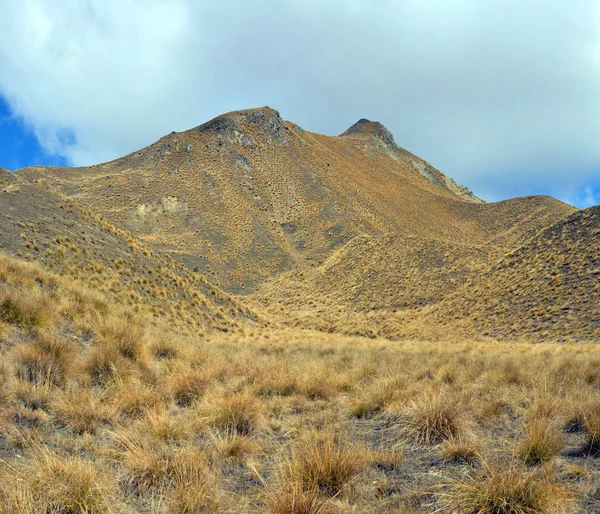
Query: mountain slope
{"points": [[547, 289], [41, 226], [248, 195]]}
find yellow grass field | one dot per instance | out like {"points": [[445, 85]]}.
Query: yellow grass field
{"points": [[106, 411]]}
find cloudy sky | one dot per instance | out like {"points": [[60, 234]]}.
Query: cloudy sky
{"points": [[503, 96]]}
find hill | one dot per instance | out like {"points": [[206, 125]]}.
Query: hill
{"points": [[67, 238], [248, 195], [106, 411], [547, 289]]}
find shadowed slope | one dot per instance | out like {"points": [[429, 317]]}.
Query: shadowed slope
{"points": [[547, 289]]}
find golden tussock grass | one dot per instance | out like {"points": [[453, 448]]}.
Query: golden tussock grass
{"points": [[101, 412], [507, 487]]}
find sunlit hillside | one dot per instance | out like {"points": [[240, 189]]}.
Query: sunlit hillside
{"points": [[247, 317]]}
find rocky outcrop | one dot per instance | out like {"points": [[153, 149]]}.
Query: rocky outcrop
{"points": [[375, 130]]}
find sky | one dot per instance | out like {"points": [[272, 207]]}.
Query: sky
{"points": [[502, 96]]}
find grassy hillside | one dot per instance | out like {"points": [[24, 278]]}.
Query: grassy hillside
{"points": [[74, 241], [547, 289]]}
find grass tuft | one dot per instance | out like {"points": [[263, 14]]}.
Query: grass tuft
{"points": [[544, 441], [239, 414], [325, 462], [507, 488], [434, 419]]}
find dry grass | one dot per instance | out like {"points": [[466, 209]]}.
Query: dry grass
{"points": [[507, 488], [434, 419], [238, 414], [101, 412], [544, 441], [461, 450], [291, 498], [51, 483], [325, 462], [592, 429], [195, 487]]}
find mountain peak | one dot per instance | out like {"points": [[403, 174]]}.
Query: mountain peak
{"points": [[365, 127], [237, 125]]}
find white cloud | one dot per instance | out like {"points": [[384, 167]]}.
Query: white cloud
{"points": [[502, 96]]}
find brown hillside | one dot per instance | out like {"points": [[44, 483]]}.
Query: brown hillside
{"points": [[101, 412], [396, 271], [73, 241], [247, 196], [547, 289]]}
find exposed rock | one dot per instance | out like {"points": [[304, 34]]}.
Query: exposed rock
{"points": [[236, 127], [444, 182], [422, 168], [11, 189], [374, 129]]}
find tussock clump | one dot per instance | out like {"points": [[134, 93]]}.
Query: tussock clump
{"points": [[164, 426], [188, 387], [6, 382], [434, 419], [181, 474], [460, 450], [318, 384], [195, 487], [25, 417], [290, 497], [239, 413], [165, 349], [545, 405], [278, 380], [592, 429], [102, 365], [233, 445], [48, 360], [325, 462], [133, 399], [82, 412], [375, 398], [506, 488], [34, 396], [544, 441], [145, 465], [126, 336], [27, 308], [61, 485]]}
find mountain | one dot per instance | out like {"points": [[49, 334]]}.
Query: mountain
{"points": [[248, 195], [347, 233], [363, 369]]}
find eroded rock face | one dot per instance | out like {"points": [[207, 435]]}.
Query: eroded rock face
{"points": [[227, 128], [239, 126], [444, 182]]}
